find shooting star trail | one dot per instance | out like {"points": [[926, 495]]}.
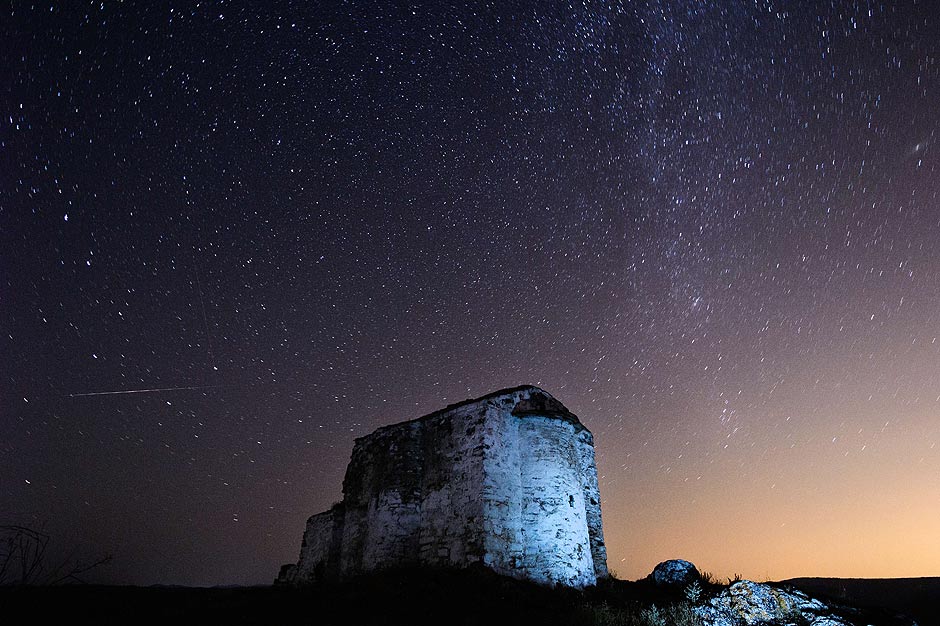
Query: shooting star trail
{"points": [[205, 321], [205, 318], [153, 390]]}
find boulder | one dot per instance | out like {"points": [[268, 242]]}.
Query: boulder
{"points": [[674, 573]]}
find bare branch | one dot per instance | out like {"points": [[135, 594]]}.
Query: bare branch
{"points": [[24, 555]]}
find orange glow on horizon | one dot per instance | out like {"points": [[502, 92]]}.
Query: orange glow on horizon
{"points": [[867, 509]]}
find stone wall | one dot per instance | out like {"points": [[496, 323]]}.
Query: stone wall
{"points": [[507, 480]]}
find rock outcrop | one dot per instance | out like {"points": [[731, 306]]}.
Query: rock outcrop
{"points": [[751, 603], [507, 481], [674, 572], [746, 603]]}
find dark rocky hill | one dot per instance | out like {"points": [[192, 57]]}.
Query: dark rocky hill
{"points": [[917, 597]]}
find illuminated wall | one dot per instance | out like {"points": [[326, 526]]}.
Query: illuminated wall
{"points": [[507, 481]]}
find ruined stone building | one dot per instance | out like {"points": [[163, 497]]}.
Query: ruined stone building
{"points": [[507, 481]]}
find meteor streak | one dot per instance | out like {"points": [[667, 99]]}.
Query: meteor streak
{"points": [[114, 393]]}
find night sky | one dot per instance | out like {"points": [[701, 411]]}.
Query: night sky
{"points": [[711, 229]]}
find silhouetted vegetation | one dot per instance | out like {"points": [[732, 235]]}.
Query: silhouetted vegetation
{"points": [[25, 559], [401, 596]]}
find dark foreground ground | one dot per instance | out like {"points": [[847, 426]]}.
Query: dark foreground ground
{"points": [[403, 597]]}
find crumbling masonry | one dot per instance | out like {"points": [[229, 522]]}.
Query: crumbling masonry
{"points": [[507, 481]]}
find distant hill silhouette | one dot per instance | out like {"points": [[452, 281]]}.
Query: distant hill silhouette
{"points": [[917, 597]]}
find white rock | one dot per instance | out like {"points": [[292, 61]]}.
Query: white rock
{"points": [[828, 620], [751, 603]]}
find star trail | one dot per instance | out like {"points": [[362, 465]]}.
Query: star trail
{"points": [[235, 236]]}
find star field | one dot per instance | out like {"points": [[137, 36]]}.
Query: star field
{"points": [[708, 228]]}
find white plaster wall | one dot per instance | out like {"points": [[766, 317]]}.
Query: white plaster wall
{"points": [[501, 489], [554, 523], [592, 503]]}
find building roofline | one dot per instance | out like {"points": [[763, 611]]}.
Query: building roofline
{"points": [[563, 414]]}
